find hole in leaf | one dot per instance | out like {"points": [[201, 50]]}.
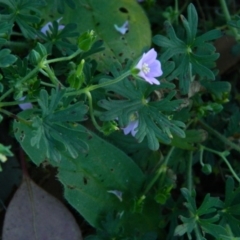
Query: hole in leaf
{"points": [[22, 136], [120, 54], [111, 169], [85, 181], [123, 10], [70, 187], [123, 38], [16, 130], [89, 137], [97, 24]]}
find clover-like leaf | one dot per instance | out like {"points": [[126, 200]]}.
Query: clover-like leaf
{"points": [[192, 54], [154, 122], [52, 129], [6, 58], [59, 37], [204, 217], [5, 29], [231, 208], [25, 13]]}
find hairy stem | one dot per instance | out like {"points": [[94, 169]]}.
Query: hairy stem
{"points": [[228, 17], [189, 172], [100, 85], [220, 136], [222, 155], [161, 170], [89, 96]]}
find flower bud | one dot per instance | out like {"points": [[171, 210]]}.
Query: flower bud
{"points": [[34, 57], [86, 40]]}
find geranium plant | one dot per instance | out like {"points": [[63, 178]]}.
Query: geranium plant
{"points": [[123, 107]]}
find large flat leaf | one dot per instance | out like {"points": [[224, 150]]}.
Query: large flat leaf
{"points": [[33, 214], [93, 180], [101, 16]]}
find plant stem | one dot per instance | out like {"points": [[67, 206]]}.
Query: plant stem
{"points": [[220, 136], [101, 85], [6, 104], [64, 58], [162, 169], [47, 84], [10, 44], [51, 76], [89, 96], [198, 233], [15, 117], [29, 75], [220, 154], [8, 92], [228, 17], [105, 84], [189, 172]]}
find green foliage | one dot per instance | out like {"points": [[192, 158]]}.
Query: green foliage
{"points": [[91, 15], [4, 153], [59, 38], [6, 58], [5, 29], [50, 129], [82, 175], [191, 54], [25, 13], [231, 208], [69, 82], [204, 217], [153, 122]]}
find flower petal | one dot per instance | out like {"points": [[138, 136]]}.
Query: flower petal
{"points": [[152, 80], [150, 56], [123, 29], [131, 127], [46, 27], [156, 70]]}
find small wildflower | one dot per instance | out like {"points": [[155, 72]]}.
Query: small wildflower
{"points": [[46, 27], [3, 158], [123, 29], [117, 193], [132, 126], [150, 67], [25, 106]]}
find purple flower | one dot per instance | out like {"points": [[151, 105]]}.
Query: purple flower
{"points": [[117, 193], [150, 67], [131, 128], [46, 27], [25, 106], [123, 29]]}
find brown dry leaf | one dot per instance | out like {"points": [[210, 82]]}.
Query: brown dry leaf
{"points": [[226, 60], [33, 214]]}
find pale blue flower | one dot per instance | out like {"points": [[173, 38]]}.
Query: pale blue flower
{"points": [[123, 29], [150, 67], [132, 126], [46, 27], [25, 106], [117, 193]]}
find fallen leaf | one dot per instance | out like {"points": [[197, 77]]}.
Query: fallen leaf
{"points": [[33, 214]]}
